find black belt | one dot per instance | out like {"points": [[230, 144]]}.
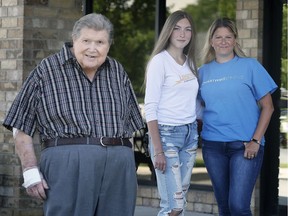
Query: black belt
{"points": [[103, 141]]}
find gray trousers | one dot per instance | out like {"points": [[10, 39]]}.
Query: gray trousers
{"points": [[89, 180]]}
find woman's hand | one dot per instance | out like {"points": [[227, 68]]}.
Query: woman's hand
{"points": [[251, 149]]}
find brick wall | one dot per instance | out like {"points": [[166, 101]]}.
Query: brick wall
{"points": [[30, 30], [11, 39], [249, 16]]}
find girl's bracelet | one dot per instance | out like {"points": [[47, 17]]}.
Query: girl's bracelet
{"points": [[160, 153]]}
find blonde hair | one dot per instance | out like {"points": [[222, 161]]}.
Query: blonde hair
{"points": [[163, 40], [208, 52]]}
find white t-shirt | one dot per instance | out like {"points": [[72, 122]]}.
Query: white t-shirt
{"points": [[171, 91]]}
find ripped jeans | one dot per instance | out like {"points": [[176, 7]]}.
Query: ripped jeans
{"points": [[179, 145]]}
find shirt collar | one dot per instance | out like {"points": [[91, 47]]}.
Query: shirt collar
{"points": [[65, 54]]}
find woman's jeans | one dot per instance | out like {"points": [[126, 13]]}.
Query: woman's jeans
{"points": [[180, 147], [233, 176]]}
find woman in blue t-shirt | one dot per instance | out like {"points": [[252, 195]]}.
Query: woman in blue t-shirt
{"points": [[236, 94]]}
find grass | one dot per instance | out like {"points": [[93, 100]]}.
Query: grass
{"points": [[199, 163]]}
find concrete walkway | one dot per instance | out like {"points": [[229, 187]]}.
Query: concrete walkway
{"points": [[150, 211]]}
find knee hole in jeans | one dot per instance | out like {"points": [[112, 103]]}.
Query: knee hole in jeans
{"points": [[178, 196], [176, 167]]}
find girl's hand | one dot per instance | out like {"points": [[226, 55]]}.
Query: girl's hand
{"points": [[160, 161]]}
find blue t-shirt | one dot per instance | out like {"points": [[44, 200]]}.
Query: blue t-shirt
{"points": [[230, 92]]}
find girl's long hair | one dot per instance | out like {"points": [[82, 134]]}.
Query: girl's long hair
{"points": [[163, 40]]}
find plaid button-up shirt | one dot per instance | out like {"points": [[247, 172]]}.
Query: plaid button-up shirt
{"points": [[60, 101]]}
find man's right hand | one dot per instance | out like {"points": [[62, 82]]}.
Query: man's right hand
{"points": [[33, 179], [34, 183], [38, 190]]}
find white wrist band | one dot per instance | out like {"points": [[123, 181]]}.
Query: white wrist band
{"points": [[15, 132], [31, 177]]}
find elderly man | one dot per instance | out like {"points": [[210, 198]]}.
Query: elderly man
{"points": [[82, 103]]}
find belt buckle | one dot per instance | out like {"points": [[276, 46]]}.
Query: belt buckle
{"points": [[101, 141]]}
